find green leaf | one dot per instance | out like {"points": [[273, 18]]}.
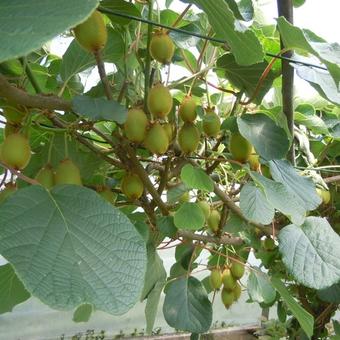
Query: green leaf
{"points": [[122, 7], [186, 41], [303, 188], [196, 178], [298, 3], [155, 271], [26, 25], [312, 122], [321, 81], [152, 306], [175, 193], [74, 248], [243, 42], [330, 294], [269, 140], [254, 205], [12, 291], [189, 216], [242, 9], [186, 306], [259, 287], [83, 313], [245, 78], [311, 252], [281, 198], [99, 109], [166, 226], [76, 59], [305, 319]]}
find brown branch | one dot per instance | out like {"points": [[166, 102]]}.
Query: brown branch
{"points": [[102, 74], [332, 179], [19, 174], [224, 239], [39, 101], [180, 17]]}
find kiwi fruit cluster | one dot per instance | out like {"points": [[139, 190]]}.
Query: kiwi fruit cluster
{"points": [[212, 216], [227, 279]]}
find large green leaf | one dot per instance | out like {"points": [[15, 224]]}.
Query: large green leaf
{"points": [[76, 59], [305, 319], [242, 9], [259, 287], [186, 305], [243, 42], [302, 39], [303, 188], [99, 109], [120, 6], [330, 294], [254, 205], [311, 252], [152, 306], [196, 178], [69, 247], [189, 216], [245, 78], [269, 140], [12, 291], [26, 25]]}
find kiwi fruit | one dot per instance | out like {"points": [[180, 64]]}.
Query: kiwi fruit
{"points": [[45, 176], [132, 186], [10, 129], [185, 197], [325, 195], [156, 140], [239, 147], [16, 151], [237, 291], [268, 243], [237, 269], [228, 279], [135, 125], [205, 207], [9, 189], [169, 130], [159, 101], [107, 194], [188, 138], [67, 173], [211, 123], [92, 34], [162, 47], [187, 109], [228, 298], [215, 278], [213, 220], [254, 161]]}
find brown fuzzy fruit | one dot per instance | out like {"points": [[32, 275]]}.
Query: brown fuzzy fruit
{"points": [[239, 147], [227, 298], [188, 138], [92, 34], [162, 47], [156, 140], [215, 278], [213, 220], [67, 173], [159, 101], [9, 189], [16, 151], [187, 109], [169, 130], [211, 124], [135, 125], [132, 186], [45, 176], [228, 279]]}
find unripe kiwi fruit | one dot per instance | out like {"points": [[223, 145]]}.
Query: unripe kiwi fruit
{"points": [[205, 207], [254, 161], [227, 298], [156, 140], [187, 109], [237, 269], [45, 176], [67, 173], [16, 151], [265, 171], [9, 189], [106, 193], [213, 220], [13, 115], [10, 129], [228, 279], [237, 291], [325, 195], [159, 101], [135, 125], [169, 130], [188, 138], [185, 197], [132, 186], [211, 123], [239, 147], [215, 278], [268, 243], [92, 33], [162, 47]]}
